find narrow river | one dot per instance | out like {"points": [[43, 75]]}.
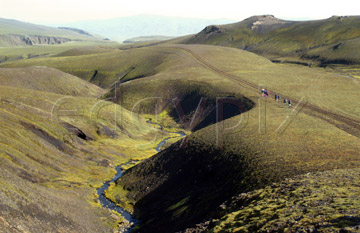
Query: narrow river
{"points": [[158, 148], [107, 203]]}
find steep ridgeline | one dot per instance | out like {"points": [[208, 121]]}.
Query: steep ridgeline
{"points": [[20, 40], [320, 40]]}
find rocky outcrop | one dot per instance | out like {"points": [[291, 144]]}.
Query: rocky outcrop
{"points": [[20, 40], [266, 23], [210, 31], [213, 29]]}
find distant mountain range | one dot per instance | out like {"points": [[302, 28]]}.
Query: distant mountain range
{"points": [[120, 29]]}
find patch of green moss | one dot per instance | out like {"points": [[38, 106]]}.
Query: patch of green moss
{"points": [[325, 201]]}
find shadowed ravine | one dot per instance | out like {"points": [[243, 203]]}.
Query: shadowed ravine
{"points": [[107, 203]]}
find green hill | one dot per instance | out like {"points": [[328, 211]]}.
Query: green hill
{"points": [[96, 68], [48, 80], [17, 33], [344, 52], [272, 37]]}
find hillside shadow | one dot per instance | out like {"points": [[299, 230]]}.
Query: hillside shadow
{"points": [[197, 111], [181, 185], [196, 182]]}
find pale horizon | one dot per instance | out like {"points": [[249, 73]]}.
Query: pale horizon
{"points": [[45, 12]]}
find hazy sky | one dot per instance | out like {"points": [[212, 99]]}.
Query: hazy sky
{"points": [[45, 11]]}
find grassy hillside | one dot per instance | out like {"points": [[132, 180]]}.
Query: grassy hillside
{"points": [[53, 159], [311, 202], [9, 26], [9, 54], [48, 80], [96, 68], [272, 37], [344, 52], [17, 33]]}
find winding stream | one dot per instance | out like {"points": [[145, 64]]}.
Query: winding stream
{"points": [[158, 147], [107, 203]]}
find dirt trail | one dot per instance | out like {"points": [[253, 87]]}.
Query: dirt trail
{"points": [[348, 124]]}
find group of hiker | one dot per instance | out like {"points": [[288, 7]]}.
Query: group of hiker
{"points": [[266, 94]]}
